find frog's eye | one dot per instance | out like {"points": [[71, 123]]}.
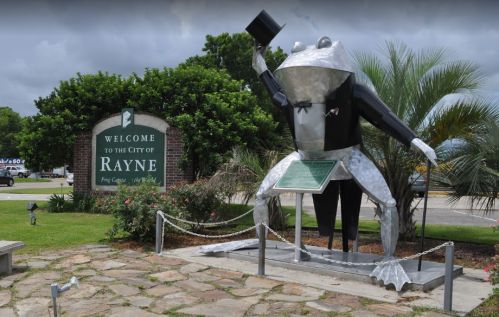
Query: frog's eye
{"points": [[324, 42], [298, 47]]}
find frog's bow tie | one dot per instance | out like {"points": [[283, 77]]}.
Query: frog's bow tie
{"points": [[303, 105]]}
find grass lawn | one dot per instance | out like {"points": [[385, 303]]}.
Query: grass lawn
{"points": [[31, 180], [52, 231], [40, 191], [66, 230], [480, 235]]}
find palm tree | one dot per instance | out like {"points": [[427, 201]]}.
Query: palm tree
{"points": [[472, 168], [244, 173], [412, 84]]}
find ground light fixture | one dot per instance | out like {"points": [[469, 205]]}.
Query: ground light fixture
{"points": [[31, 207], [55, 290]]}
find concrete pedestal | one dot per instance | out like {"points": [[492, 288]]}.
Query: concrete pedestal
{"points": [[281, 254]]}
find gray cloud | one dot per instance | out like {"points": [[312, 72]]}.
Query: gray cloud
{"points": [[44, 42]]}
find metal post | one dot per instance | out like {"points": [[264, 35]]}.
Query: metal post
{"points": [[55, 306], [449, 270], [261, 250], [299, 200], [159, 232], [54, 291], [424, 214]]}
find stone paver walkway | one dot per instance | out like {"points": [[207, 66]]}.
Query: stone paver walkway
{"points": [[116, 283]]}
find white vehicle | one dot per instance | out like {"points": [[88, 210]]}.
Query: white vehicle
{"points": [[70, 179], [18, 171], [54, 173]]}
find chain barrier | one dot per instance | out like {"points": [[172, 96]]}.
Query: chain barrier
{"points": [[162, 214], [208, 224], [351, 263]]}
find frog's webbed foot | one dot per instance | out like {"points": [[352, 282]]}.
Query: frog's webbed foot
{"points": [[391, 273]]}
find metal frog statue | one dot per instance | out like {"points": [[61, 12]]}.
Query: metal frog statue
{"points": [[316, 88]]}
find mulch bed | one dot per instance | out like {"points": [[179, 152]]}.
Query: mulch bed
{"points": [[469, 255]]}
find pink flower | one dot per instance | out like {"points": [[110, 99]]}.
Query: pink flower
{"points": [[173, 205], [488, 278], [212, 214], [187, 199], [497, 220], [155, 206], [127, 201], [497, 255], [486, 269]]}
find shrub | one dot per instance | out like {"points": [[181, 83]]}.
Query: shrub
{"points": [[199, 202], [134, 209], [493, 268], [57, 203], [83, 202]]}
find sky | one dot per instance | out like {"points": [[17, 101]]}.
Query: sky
{"points": [[45, 41]]}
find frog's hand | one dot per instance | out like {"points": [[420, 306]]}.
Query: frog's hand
{"points": [[391, 273], [423, 148], [258, 61]]}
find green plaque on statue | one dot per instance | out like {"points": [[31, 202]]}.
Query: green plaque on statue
{"points": [[307, 176]]}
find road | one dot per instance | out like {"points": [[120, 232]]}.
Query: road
{"points": [[54, 182], [439, 211]]}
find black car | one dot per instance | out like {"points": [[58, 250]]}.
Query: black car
{"points": [[6, 178]]}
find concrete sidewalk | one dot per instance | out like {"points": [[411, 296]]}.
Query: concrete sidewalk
{"points": [[29, 197]]}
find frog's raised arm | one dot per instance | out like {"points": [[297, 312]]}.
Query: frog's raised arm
{"points": [[374, 110], [268, 80]]}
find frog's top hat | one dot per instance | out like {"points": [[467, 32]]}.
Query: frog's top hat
{"points": [[263, 28]]}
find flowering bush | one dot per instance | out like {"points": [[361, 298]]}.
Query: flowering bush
{"points": [[134, 209], [493, 269], [199, 202]]}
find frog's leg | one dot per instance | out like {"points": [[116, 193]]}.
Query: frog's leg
{"points": [[325, 206], [372, 182], [351, 198], [265, 192]]}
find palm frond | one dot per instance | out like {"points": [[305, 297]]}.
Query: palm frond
{"points": [[455, 77], [460, 120]]}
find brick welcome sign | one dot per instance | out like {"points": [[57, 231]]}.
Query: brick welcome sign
{"points": [[126, 148]]}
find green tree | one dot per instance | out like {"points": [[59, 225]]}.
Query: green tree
{"points": [[412, 84], [10, 127], [76, 105], [210, 108], [234, 54]]}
